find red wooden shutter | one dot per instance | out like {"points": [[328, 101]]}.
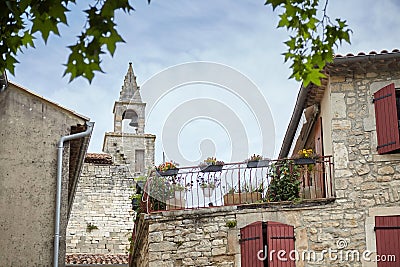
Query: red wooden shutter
{"points": [[387, 230], [280, 237], [319, 184], [251, 242], [387, 126]]}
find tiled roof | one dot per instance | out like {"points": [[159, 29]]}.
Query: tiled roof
{"points": [[96, 259], [365, 54], [98, 158]]}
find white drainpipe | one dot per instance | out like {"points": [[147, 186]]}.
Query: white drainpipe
{"points": [[59, 183]]}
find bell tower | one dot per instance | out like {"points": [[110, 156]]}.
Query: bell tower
{"points": [[128, 144], [129, 106]]}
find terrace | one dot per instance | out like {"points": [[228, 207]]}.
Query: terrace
{"points": [[237, 184]]}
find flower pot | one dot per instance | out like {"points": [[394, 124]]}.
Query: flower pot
{"points": [[258, 163], [207, 191], [211, 168], [241, 198], [304, 161], [170, 172]]}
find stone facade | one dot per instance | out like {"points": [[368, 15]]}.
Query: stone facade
{"points": [[30, 129], [103, 193], [365, 184], [102, 200], [123, 147]]}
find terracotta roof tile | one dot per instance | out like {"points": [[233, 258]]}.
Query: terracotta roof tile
{"points": [[98, 158], [96, 259], [361, 53]]}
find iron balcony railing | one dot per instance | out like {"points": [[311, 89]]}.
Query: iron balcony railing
{"points": [[238, 184]]}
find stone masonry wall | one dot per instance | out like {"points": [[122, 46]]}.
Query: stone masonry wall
{"points": [[102, 199], [202, 237], [366, 185], [122, 147]]}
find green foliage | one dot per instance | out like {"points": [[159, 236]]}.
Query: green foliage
{"points": [[231, 224], [285, 183], [90, 227], [312, 39], [310, 45], [21, 20]]}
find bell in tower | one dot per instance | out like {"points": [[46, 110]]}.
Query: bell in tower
{"points": [[128, 144]]}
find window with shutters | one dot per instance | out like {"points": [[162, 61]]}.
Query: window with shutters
{"points": [[387, 231], [387, 115], [261, 242]]}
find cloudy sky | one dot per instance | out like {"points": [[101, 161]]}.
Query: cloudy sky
{"points": [[239, 34]]}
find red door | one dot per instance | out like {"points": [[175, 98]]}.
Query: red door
{"points": [[271, 238], [280, 237], [387, 230], [251, 243]]}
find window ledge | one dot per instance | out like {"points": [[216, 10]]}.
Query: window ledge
{"points": [[386, 157]]}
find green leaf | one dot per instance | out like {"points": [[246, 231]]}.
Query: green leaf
{"points": [[274, 3]]}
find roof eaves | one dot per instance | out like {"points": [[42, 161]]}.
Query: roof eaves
{"points": [[49, 101]]}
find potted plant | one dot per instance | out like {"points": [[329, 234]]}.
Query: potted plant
{"points": [[305, 157], [248, 193], [208, 184], [211, 164], [168, 168], [285, 182], [177, 197], [158, 189], [257, 161]]}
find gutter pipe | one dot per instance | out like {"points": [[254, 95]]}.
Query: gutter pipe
{"points": [[60, 149]]}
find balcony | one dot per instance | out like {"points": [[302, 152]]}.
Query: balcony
{"points": [[239, 184]]}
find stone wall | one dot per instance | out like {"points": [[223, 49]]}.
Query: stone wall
{"points": [[30, 128], [366, 185], [102, 199], [122, 147], [202, 237]]}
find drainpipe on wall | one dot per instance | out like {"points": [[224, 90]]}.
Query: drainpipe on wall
{"points": [[60, 150]]}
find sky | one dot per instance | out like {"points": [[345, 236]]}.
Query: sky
{"points": [[240, 35]]}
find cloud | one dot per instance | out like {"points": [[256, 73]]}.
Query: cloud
{"points": [[240, 34]]}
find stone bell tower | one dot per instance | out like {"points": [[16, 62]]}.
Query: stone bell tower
{"points": [[128, 144]]}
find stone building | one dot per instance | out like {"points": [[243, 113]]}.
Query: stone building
{"points": [[102, 218], [31, 128], [353, 216]]}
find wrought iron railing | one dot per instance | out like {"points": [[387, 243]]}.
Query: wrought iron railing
{"points": [[237, 184]]}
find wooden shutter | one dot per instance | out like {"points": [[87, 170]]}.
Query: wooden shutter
{"points": [[280, 237], [387, 126], [319, 171], [139, 161], [251, 242], [387, 231]]}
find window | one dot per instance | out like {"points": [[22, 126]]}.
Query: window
{"points": [[387, 115], [139, 161], [387, 231], [261, 241]]}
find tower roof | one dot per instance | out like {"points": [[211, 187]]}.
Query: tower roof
{"points": [[130, 89]]}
